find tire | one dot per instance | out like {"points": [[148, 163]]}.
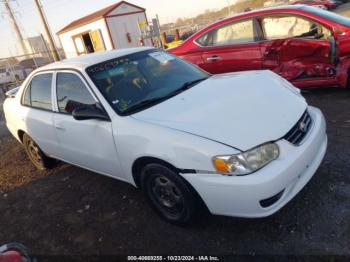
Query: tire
{"points": [[170, 195], [36, 155]]}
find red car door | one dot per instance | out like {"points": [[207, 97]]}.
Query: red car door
{"points": [[298, 49], [231, 47]]}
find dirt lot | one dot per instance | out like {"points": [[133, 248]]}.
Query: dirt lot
{"points": [[72, 211]]}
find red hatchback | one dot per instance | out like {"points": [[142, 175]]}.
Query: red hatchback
{"points": [[306, 45]]}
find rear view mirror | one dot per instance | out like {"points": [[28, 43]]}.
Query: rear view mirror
{"points": [[89, 112]]}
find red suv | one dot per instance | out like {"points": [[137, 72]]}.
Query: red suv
{"points": [[306, 45]]}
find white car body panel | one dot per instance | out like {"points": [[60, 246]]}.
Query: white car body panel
{"points": [[290, 172], [223, 103], [223, 115]]}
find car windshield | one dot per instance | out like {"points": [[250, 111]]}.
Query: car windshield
{"points": [[138, 81], [328, 15]]}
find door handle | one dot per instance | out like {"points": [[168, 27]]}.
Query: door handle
{"points": [[214, 58]]}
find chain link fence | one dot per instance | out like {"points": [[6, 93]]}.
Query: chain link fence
{"points": [[14, 70]]}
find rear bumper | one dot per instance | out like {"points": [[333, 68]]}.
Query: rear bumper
{"points": [[274, 185]]}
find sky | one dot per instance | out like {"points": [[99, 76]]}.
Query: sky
{"points": [[61, 12]]}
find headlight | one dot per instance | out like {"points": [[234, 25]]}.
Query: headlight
{"points": [[247, 162]]}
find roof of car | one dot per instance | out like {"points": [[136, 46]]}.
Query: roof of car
{"points": [[82, 62], [248, 14], [295, 6], [266, 9]]}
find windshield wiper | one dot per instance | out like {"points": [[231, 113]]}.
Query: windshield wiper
{"points": [[143, 104], [188, 85], [150, 102]]}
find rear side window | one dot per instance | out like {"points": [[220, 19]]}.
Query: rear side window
{"points": [[206, 39], [236, 33], [38, 93], [233, 33], [72, 93]]}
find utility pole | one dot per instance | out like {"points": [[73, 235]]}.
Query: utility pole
{"points": [[15, 26], [47, 30], [159, 31]]}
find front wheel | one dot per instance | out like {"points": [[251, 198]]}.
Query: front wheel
{"points": [[169, 195], [36, 155]]}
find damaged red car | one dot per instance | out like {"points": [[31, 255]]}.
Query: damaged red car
{"points": [[326, 4], [306, 45]]}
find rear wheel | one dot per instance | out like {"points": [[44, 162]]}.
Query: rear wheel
{"points": [[36, 155], [169, 195]]}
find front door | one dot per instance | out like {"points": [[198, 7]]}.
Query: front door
{"points": [[89, 143], [231, 47], [298, 49]]}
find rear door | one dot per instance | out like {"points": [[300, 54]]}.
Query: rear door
{"points": [[36, 112], [89, 143], [231, 47], [296, 48]]}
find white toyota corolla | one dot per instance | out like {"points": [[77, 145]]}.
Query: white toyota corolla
{"points": [[240, 144]]}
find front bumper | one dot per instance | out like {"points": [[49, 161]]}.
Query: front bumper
{"points": [[241, 196]]}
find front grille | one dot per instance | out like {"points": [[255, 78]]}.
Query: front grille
{"points": [[297, 134]]}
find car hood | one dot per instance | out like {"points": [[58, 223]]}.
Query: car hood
{"points": [[242, 110]]}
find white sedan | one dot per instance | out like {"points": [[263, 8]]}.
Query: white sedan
{"points": [[240, 144]]}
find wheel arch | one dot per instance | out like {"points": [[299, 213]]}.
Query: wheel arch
{"points": [[343, 71], [20, 134], [141, 162]]}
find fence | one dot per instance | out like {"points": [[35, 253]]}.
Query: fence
{"points": [[14, 70]]}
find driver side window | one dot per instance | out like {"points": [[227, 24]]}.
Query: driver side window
{"points": [[282, 27], [71, 93]]}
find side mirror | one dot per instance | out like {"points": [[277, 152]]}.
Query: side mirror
{"points": [[88, 112]]}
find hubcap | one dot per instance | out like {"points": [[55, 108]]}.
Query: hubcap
{"points": [[34, 152], [167, 194]]}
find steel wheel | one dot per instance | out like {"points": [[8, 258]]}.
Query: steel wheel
{"points": [[34, 152], [167, 194], [36, 155]]}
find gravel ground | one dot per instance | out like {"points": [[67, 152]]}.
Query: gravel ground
{"points": [[72, 211]]}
